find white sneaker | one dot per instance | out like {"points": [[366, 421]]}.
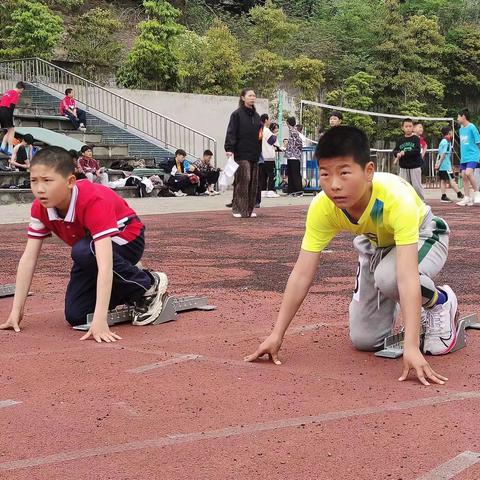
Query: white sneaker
{"points": [[476, 197], [237, 215], [272, 194], [149, 308], [253, 215], [465, 202], [264, 193], [441, 325]]}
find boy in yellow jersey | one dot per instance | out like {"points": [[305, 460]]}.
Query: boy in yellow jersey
{"points": [[402, 246]]}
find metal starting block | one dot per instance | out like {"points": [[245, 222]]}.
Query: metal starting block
{"points": [[171, 307], [8, 290], [393, 345]]}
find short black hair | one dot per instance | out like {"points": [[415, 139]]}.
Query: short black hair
{"points": [[28, 139], [417, 123], [20, 85], [446, 130], [181, 152], [344, 141], [68, 91], [74, 154], [57, 158], [264, 117], [85, 148], [337, 114], [292, 121], [273, 126], [406, 120], [464, 112], [208, 152]]}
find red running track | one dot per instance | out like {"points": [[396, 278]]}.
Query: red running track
{"points": [[176, 401]]}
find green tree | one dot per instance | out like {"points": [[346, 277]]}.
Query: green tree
{"points": [[93, 41], [33, 30], [152, 62], [264, 72], [306, 76], [270, 27], [358, 93], [463, 59]]}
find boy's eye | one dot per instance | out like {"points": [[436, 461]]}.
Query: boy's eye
{"points": [[344, 173]]}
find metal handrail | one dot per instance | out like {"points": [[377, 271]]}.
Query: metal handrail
{"points": [[158, 128]]}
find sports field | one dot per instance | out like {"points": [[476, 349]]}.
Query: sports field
{"points": [[176, 401]]}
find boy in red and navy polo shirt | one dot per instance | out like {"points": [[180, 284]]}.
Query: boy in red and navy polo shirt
{"points": [[68, 108], [8, 102], [107, 240]]}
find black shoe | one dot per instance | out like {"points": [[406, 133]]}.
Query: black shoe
{"points": [[228, 205], [445, 199], [460, 195]]}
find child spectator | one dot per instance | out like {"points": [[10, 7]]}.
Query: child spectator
{"points": [[444, 166], [293, 154], [179, 181], [418, 130], [8, 102], [267, 173], [107, 240], [335, 119], [407, 153], [79, 175], [68, 108], [207, 173], [90, 167], [469, 158], [401, 247], [22, 153]]}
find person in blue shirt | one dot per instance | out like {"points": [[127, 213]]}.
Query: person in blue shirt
{"points": [[444, 165], [469, 157]]}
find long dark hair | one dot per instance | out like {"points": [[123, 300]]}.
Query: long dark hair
{"points": [[241, 102]]}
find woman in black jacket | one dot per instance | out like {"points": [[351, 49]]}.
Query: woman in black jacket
{"points": [[244, 142]]}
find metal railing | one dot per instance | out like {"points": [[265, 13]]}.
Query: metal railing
{"points": [[152, 126]]}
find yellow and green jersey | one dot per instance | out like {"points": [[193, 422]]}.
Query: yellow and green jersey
{"points": [[393, 216]]}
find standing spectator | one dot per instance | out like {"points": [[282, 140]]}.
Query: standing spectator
{"points": [[469, 157], [207, 173], [293, 155], [335, 119], [68, 108], [418, 130], [22, 153], [407, 153], [269, 148], [444, 166], [8, 102], [91, 168], [244, 142], [261, 188]]}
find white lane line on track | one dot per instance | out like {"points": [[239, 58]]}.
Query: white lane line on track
{"points": [[8, 403], [164, 363], [453, 467], [253, 428]]}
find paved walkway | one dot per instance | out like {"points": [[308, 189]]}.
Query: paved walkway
{"points": [[10, 214]]}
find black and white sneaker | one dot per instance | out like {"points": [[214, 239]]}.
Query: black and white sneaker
{"points": [[149, 308], [445, 199]]}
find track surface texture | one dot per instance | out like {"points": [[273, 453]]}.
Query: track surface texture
{"points": [[176, 401]]}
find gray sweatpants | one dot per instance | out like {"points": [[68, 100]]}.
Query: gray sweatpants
{"points": [[373, 306], [414, 177]]}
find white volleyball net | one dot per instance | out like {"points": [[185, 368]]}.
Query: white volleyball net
{"points": [[382, 129]]}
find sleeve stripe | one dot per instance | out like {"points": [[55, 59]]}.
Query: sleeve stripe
{"points": [[104, 233]]}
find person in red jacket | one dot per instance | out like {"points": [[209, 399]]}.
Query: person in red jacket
{"points": [[68, 108], [8, 102]]}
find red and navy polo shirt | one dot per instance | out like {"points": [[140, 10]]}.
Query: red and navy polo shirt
{"points": [[67, 103], [9, 97], [94, 210]]}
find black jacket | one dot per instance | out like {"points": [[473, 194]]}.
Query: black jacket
{"points": [[244, 134], [413, 152]]}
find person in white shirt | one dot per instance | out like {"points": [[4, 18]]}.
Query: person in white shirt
{"points": [[268, 171]]}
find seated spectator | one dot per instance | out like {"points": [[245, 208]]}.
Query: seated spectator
{"points": [[207, 173], [79, 175], [23, 153], [91, 168], [183, 180], [68, 108]]}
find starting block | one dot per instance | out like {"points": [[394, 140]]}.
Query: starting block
{"points": [[393, 345], [171, 307], [8, 290]]}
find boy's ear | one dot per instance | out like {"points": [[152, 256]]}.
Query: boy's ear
{"points": [[370, 170], [71, 180]]}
